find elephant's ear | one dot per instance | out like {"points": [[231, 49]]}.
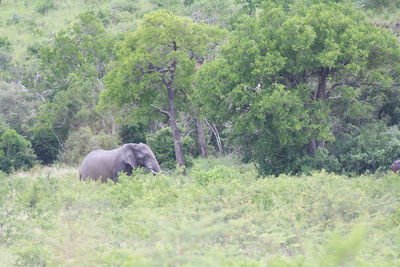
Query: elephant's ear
{"points": [[128, 156]]}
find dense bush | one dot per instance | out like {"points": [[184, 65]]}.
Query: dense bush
{"points": [[5, 52], [46, 143], [220, 214], [81, 142], [133, 133], [322, 159], [368, 148], [44, 6], [162, 145], [15, 151], [371, 4]]}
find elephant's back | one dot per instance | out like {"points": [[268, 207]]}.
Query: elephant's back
{"points": [[93, 155], [93, 164]]}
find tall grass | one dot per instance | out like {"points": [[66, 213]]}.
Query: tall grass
{"points": [[221, 214]]}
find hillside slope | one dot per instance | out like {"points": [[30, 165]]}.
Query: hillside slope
{"points": [[221, 214], [28, 23]]}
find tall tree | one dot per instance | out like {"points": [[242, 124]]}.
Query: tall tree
{"points": [[73, 68], [283, 71], [333, 50], [155, 66]]}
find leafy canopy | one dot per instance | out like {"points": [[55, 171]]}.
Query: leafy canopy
{"points": [[283, 71], [164, 46]]}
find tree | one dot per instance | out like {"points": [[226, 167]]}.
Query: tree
{"points": [[73, 66], [283, 72], [332, 49], [17, 106], [155, 66]]}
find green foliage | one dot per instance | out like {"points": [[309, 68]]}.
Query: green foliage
{"points": [[133, 133], [45, 143], [155, 66], [281, 72], [17, 106], [81, 142], [44, 6], [14, 19], [369, 148], [379, 4], [205, 11], [218, 173], [220, 214], [144, 53], [15, 151], [162, 145], [5, 52], [292, 74], [322, 159], [73, 65], [79, 52]]}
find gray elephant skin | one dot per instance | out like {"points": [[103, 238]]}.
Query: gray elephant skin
{"points": [[396, 166], [106, 164]]}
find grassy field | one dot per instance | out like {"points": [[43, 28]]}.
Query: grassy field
{"points": [[29, 23], [220, 214]]}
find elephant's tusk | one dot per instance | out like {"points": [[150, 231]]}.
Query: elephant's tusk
{"points": [[154, 172]]}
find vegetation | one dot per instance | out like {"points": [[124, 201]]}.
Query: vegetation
{"points": [[220, 214], [284, 115], [285, 84]]}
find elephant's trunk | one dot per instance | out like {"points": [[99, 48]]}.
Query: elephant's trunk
{"points": [[155, 168]]}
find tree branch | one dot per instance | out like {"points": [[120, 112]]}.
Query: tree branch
{"points": [[162, 111], [353, 84], [335, 97]]}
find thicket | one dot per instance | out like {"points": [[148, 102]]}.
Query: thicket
{"points": [[15, 151], [290, 86], [220, 214]]}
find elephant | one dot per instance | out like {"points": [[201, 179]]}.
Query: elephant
{"points": [[106, 164], [396, 166]]}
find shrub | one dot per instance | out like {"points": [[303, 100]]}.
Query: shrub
{"points": [[45, 143], [5, 53], [162, 145], [14, 19], [44, 6], [218, 173], [377, 4], [135, 133], [368, 148], [82, 141], [48, 217], [15, 151], [322, 160]]}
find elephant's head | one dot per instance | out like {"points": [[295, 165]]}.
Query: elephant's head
{"points": [[396, 166], [140, 155]]}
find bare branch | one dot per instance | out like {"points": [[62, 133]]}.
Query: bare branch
{"points": [[335, 97]]}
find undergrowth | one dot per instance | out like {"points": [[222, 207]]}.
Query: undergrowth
{"points": [[221, 214]]}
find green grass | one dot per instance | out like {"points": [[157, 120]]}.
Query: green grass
{"points": [[220, 214], [22, 22]]}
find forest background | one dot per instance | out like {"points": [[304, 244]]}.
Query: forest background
{"points": [[291, 86]]}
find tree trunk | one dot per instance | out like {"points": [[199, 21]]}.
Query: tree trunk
{"points": [[175, 130], [319, 95], [217, 137], [202, 139]]}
